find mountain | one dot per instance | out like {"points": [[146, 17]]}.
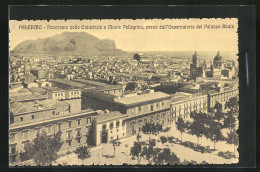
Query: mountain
{"points": [[72, 43]]}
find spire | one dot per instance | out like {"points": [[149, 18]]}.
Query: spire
{"points": [[218, 53]]}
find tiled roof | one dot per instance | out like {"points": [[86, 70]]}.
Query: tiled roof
{"points": [[143, 98], [52, 103], [27, 97], [38, 90], [20, 108]]}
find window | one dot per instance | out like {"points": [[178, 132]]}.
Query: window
{"points": [[111, 125], [123, 123], [117, 124], [69, 134], [21, 118], [32, 116], [59, 126], [69, 124], [78, 132], [104, 126], [79, 121], [71, 93], [140, 109], [56, 95], [25, 134], [151, 107], [162, 103], [37, 131], [12, 137], [49, 129], [13, 149], [157, 105], [59, 94], [88, 120]]}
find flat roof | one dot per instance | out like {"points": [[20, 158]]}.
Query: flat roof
{"points": [[52, 118], [110, 116], [71, 83], [143, 98], [91, 82], [181, 97]]}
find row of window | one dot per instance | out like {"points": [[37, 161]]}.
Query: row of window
{"points": [[50, 128], [111, 125], [59, 94], [150, 107]]}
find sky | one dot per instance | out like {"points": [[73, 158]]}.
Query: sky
{"points": [[140, 39]]}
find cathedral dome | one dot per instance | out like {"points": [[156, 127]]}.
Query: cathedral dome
{"points": [[218, 60], [218, 57]]}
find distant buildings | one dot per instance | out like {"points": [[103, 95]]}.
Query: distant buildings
{"points": [[217, 69]]}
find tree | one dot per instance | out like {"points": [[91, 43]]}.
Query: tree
{"points": [[180, 124], [157, 79], [232, 106], [131, 86], [136, 151], [165, 157], [43, 149], [214, 132], [196, 128], [233, 139], [82, 153], [115, 144], [138, 137], [218, 114], [229, 122], [137, 57], [149, 128], [158, 128], [163, 139], [114, 82], [148, 153]]}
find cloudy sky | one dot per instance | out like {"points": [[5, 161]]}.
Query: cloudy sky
{"points": [[141, 40]]}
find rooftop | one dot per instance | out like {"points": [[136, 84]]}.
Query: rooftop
{"points": [[18, 108], [71, 83], [52, 89], [109, 116], [28, 97], [90, 82], [94, 93], [143, 98], [181, 96]]}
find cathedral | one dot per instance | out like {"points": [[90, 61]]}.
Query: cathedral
{"points": [[216, 70]]}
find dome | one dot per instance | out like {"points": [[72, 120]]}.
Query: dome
{"points": [[218, 61], [218, 57]]}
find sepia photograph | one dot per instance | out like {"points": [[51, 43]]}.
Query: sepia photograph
{"points": [[115, 92]]}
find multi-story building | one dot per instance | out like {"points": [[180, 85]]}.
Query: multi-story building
{"points": [[140, 108], [55, 93], [109, 126], [30, 111], [182, 104], [74, 128], [221, 95], [39, 73]]}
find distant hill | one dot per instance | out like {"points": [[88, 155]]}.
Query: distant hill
{"points": [[74, 43]]}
